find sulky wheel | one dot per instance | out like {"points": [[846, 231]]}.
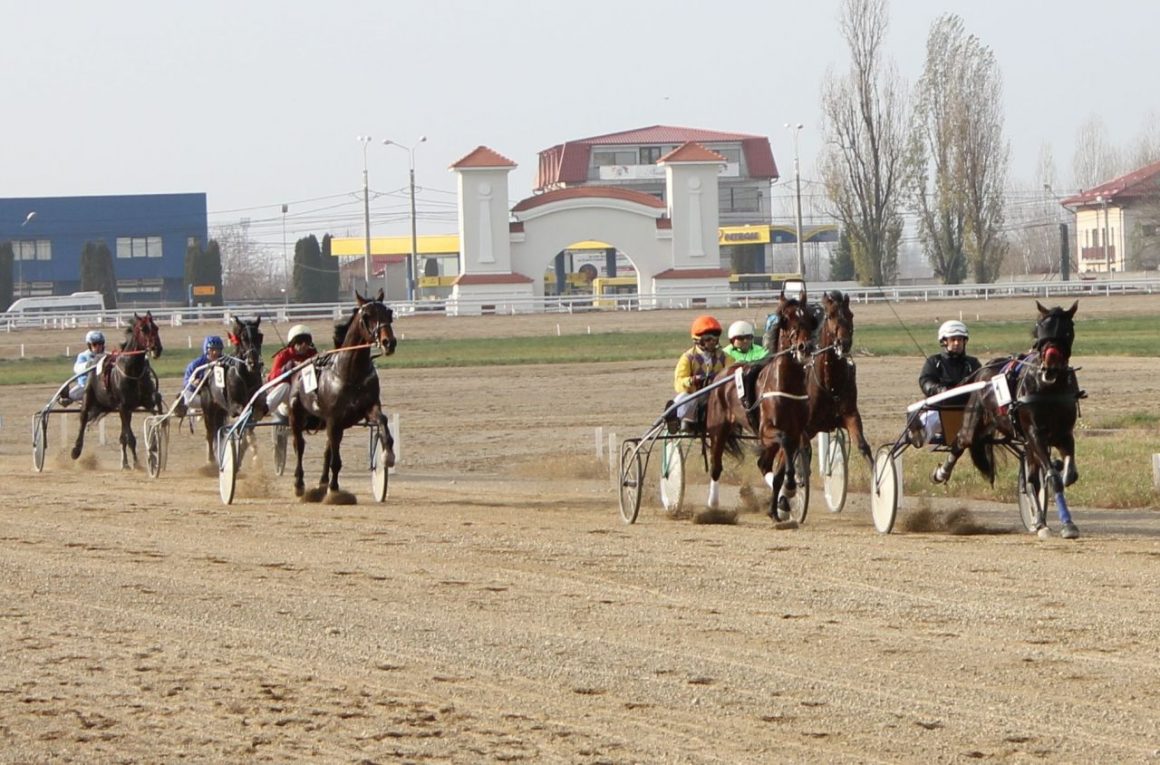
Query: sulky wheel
{"points": [[154, 457], [281, 440], [227, 466], [834, 458], [379, 470], [39, 440], [1030, 504], [631, 479], [885, 487], [673, 453], [799, 503]]}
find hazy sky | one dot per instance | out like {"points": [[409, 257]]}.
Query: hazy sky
{"points": [[259, 102]]}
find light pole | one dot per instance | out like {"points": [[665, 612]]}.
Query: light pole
{"points": [[797, 178], [411, 261], [1107, 257], [285, 259], [20, 261], [365, 141]]}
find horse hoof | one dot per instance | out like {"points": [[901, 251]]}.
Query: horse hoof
{"points": [[1069, 531], [782, 510], [1043, 532], [938, 476], [76, 453]]}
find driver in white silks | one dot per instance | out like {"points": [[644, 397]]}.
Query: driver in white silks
{"points": [[942, 371], [86, 359]]}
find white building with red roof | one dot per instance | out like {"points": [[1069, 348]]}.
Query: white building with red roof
{"points": [[1117, 223]]}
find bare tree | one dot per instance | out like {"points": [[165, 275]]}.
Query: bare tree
{"points": [[864, 165], [959, 155], [248, 271], [1095, 159]]}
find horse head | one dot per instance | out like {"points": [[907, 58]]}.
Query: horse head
{"points": [[796, 326], [144, 335], [1054, 335], [246, 338], [375, 318], [837, 323]]}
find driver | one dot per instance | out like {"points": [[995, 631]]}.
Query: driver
{"points": [[299, 347], [946, 369], [94, 350], [696, 368], [211, 350]]}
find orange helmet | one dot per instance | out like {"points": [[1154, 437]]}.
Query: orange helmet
{"points": [[705, 325]]}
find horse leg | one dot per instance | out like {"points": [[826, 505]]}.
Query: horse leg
{"points": [[1067, 450], [209, 418], [299, 447], [716, 436], [128, 439], [79, 445], [853, 424], [334, 433], [1054, 481]]}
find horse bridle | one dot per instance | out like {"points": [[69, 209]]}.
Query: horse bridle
{"points": [[375, 331]]}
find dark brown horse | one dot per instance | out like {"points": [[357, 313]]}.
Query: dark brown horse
{"points": [[1033, 401], [833, 385], [232, 382], [124, 382], [777, 414], [346, 391]]}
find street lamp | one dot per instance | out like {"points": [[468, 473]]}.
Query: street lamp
{"points": [[285, 259], [365, 140], [797, 178], [411, 261], [20, 261]]}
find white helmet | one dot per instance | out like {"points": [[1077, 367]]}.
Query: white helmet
{"points": [[94, 336], [952, 329], [740, 329], [297, 331]]}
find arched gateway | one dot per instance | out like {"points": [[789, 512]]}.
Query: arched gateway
{"points": [[503, 254]]}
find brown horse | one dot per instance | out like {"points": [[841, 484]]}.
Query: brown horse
{"points": [[1037, 413], [240, 377], [124, 382], [777, 416], [346, 391], [833, 385]]}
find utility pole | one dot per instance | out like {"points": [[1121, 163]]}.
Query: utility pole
{"points": [[412, 261], [285, 258], [797, 177], [365, 140]]}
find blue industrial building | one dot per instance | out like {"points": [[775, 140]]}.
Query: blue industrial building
{"points": [[148, 235]]}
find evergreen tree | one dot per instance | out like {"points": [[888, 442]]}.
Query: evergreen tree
{"points": [[211, 271], [192, 256], [307, 268], [98, 273], [842, 261], [7, 286], [329, 280]]}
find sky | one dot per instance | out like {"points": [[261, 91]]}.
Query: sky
{"points": [[260, 103]]}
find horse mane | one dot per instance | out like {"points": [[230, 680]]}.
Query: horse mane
{"points": [[341, 328]]}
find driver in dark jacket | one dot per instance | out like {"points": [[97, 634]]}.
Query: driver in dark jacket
{"points": [[944, 370]]}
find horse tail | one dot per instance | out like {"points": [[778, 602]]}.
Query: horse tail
{"points": [[733, 444], [983, 455]]}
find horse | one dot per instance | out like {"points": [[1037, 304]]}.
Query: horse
{"points": [[124, 382], [347, 392], [832, 384], [241, 376], [781, 408], [1039, 413]]}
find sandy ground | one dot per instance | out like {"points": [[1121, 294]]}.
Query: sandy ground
{"points": [[495, 608]]}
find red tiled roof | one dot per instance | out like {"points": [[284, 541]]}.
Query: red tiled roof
{"points": [[1142, 182], [492, 279], [568, 162], [579, 192], [691, 151], [482, 156]]}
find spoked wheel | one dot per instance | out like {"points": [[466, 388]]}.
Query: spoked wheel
{"points": [[379, 470], [833, 459], [885, 487], [153, 449], [164, 443], [1028, 512], [631, 481], [281, 439], [227, 466], [799, 503], [673, 453], [39, 440]]}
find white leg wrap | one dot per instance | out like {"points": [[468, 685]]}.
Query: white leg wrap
{"points": [[769, 480], [714, 495]]}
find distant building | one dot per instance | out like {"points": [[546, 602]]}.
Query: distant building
{"points": [[1118, 223], [147, 234]]}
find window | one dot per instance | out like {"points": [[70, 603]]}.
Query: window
{"points": [[602, 158], [32, 249], [139, 247], [732, 156], [649, 155]]}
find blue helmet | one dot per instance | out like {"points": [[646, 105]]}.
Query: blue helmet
{"points": [[94, 336], [212, 341]]}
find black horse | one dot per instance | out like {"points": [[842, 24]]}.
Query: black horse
{"points": [[833, 385], [344, 391], [1043, 405], [124, 382], [232, 382]]}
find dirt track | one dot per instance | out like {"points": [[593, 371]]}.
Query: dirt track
{"points": [[496, 609]]}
